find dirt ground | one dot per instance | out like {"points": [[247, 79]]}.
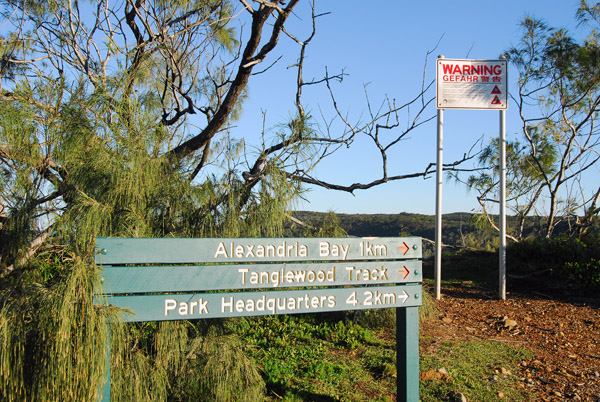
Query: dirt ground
{"points": [[563, 334]]}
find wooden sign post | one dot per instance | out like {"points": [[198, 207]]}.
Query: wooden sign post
{"points": [[167, 279]]}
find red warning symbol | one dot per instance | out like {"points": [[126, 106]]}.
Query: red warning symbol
{"points": [[496, 101], [496, 90]]}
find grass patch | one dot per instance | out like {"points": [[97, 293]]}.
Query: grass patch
{"points": [[481, 370], [320, 358], [330, 358]]}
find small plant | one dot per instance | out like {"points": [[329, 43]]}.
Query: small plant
{"points": [[350, 335], [574, 262], [586, 274]]}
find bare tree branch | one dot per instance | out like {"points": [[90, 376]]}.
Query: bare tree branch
{"points": [[250, 57]]}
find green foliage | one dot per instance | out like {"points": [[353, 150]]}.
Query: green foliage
{"points": [[526, 172], [348, 335], [586, 273], [117, 186], [108, 177], [52, 336], [331, 227], [87, 157], [217, 369], [328, 226], [572, 262], [479, 267], [306, 358], [559, 74], [428, 310], [527, 254], [377, 319]]}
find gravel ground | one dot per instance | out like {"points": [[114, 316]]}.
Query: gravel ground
{"points": [[563, 334]]}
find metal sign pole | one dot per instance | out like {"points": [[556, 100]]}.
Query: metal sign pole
{"points": [[438, 204], [502, 211], [472, 84]]}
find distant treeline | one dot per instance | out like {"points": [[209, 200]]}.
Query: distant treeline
{"points": [[458, 229]]}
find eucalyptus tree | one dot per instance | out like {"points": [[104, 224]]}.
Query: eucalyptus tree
{"points": [[551, 168]]}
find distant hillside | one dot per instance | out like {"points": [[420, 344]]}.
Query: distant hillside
{"points": [[380, 225], [458, 229]]}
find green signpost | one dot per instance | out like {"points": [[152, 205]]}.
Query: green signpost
{"points": [[167, 279]]}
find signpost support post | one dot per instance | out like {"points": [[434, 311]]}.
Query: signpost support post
{"points": [[502, 209], [105, 392], [439, 177], [407, 354]]}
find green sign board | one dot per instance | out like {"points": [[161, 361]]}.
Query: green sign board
{"points": [[187, 279], [254, 250], [238, 304]]}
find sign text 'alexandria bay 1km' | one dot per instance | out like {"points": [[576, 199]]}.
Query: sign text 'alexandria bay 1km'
{"points": [[357, 274], [472, 84]]}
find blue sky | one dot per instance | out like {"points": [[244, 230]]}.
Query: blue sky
{"points": [[383, 45]]}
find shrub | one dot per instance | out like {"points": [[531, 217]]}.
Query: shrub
{"points": [[573, 261]]}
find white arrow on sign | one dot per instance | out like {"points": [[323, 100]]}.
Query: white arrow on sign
{"points": [[404, 297]]}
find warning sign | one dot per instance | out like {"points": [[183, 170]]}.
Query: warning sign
{"points": [[472, 84]]}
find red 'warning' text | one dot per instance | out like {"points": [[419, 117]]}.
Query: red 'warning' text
{"points": [[472, 69]]}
